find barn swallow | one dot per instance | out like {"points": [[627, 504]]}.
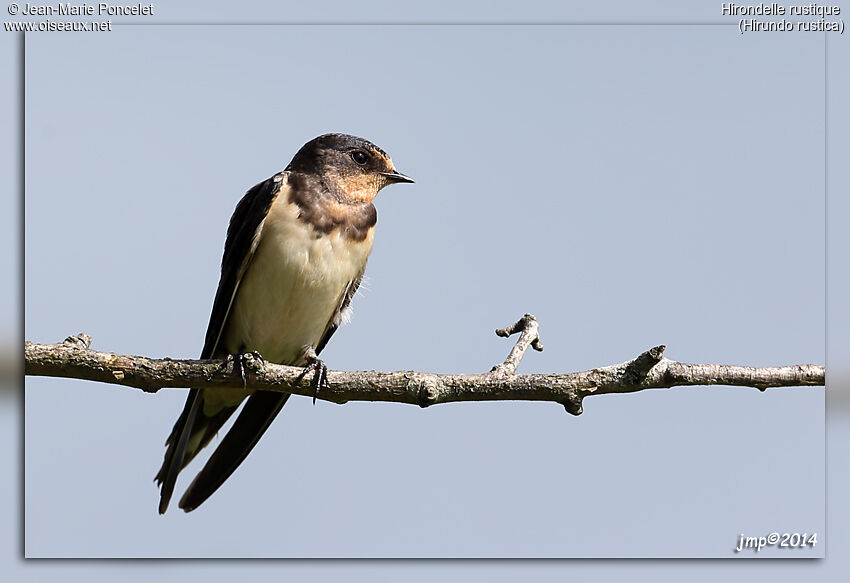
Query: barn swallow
{"points": [[294, 256]]}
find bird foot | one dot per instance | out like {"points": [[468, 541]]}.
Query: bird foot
{"points": [[320, 372], [244, 360]]}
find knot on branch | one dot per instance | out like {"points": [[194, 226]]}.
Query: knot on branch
{"points": [[426, 391], [573, 403], [637, 370]]}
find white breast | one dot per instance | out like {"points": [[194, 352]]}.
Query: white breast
{"points": [[293, 286]]}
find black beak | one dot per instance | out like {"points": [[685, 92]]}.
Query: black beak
{"points": [[397, 177]]}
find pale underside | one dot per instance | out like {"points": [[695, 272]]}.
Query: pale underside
{"points": [[289, 293]]}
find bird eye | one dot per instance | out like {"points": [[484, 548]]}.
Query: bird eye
{"points": [[359, 157]]}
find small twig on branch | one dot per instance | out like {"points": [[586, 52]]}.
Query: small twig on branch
{"points": [[74, 358], [530, 336]]}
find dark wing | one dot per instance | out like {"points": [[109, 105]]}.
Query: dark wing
{"points": [[258, 413], [243, 234]]}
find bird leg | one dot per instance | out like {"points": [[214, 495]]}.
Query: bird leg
{"points": [[252, 360], [242, 361], [320, 371]]}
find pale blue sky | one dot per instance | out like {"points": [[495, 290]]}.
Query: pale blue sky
{"points": [[672, 179]]}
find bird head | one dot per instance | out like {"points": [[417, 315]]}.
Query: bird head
{"points": [[350, 167]]}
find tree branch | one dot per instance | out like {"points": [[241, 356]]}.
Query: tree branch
{"points": [[650, 370]]}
